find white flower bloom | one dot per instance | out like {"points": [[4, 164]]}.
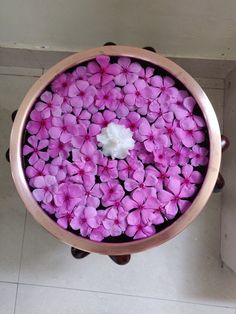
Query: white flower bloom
{"points": [[116, 141]]}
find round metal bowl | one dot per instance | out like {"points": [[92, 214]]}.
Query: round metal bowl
{"points": [[123, 247]]}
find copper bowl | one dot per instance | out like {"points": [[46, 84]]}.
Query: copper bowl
{"points": [[133, 246]]}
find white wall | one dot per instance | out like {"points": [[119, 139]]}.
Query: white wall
{"points": [[228, 215], [186, 28]]}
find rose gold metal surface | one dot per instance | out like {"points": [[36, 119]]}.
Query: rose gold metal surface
{"points": [[133, 246]]}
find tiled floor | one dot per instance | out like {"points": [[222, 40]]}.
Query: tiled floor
{"points": [[38, 274]]}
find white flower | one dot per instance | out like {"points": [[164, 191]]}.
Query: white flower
{"points": [[116, 141]]}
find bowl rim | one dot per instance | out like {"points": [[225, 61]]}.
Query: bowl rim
{"points": [[120, 248]]}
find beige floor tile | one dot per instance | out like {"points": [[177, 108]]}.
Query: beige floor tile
{"points": [[38, 300], [186, 268], [12, 211], [49, 58], [10, 57], [7, 298]]}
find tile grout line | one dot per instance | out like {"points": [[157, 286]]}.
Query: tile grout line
{"points": [[21, 75], [36, 59], [126, 295], [21, 255]]}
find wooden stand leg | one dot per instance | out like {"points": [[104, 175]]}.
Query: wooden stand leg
{"points": [[109, 43], [220, 180], [224, 143], [13, 115], [150, 48], [7, 155], [219, 184], [79, 254], [120, 260]]}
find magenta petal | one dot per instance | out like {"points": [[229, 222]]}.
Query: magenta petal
{"points": [[128, 203], [174, 186], [187, 124], [73, 91], [93, 201], [184, 205], [151, 180], [164, 196], [157, 81], [168, 81], [27, 149], [187, 191], [187, 170], [171, 210], [43, 144], [124, 62], [38, 194], [54, 132], [98, 118], [31, 172], [65, 137], [75, 190], [138, 196], [196, 177], [33, 127], [130, 184], [180, 112], [46, 97], [94, 129], [69, 119], [120, 79], [103, 60], [135, 67], [44, 155], [56, 121], [139, 175], [189, 103], [106, 78], [147, 216], [33, 159], [90, 212], [199, 136], [75, 225], [140, 84], [112, 214], [132, 77], [199, 121], [130, 99], [188, 140], [140, 235], [144, 128], [107, 223], [93, 67], [113, 69], [134, 218], [63, 222], [35, 115], [131, 230], [158, 219], [95, 79], [149, 145]]}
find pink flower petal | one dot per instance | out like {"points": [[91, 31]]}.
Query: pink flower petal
{"points": [[130, 184], [134, 218], [164, 196]]}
